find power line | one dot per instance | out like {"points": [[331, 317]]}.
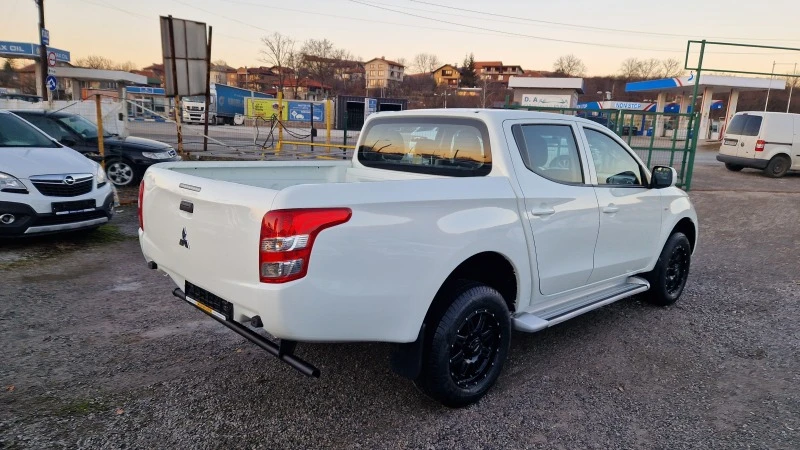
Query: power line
{"points": [[510, 33], [587, 27]]}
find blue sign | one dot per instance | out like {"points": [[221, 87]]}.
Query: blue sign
{"points": [[27, 50], [51, 82], [301, 112], [373, 104], [144, 90], [45, 37]]}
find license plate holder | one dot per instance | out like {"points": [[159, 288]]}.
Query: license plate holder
{"points": [[208, 302], [730, 142], [79, 206]]}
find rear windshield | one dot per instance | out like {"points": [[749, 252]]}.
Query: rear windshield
{"points": [[454, 147], [745, 125]]}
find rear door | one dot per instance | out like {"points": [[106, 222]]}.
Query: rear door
{"points": [[560, 208], [749, 129], [630, 212]]}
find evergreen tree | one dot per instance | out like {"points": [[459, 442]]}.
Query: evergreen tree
{"points": [[468, 76]]}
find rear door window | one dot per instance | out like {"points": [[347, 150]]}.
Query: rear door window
{"points": [[550, 151], [457, 147], [745, 125]]}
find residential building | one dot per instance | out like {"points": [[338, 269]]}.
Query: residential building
{"points": [[223, 74], [301, 89], [382, 74], [497, 71], [260, 79], [154, 71], [447, 75]]}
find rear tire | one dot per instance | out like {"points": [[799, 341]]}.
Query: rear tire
{"points": [[668, 277], [733, 167], [778, 166], [465, 353]]}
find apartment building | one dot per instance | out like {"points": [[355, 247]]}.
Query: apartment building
{"points": [[497, 71], [381, 73]]}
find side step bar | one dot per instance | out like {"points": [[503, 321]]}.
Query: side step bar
{"points": [[283, 350], [530, 323]]}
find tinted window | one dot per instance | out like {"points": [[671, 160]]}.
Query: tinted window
{"points": [[745, 125], [550, 151], [437, 146], [15, 132], [613, 164], [54, 129]]}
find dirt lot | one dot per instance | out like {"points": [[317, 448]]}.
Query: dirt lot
{"points": [[97, 353]]}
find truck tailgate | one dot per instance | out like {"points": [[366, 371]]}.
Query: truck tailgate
{"points": [[199, 229]]}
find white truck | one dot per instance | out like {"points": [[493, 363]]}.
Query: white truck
{"points": [[447, 229]]}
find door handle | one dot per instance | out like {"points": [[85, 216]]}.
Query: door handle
{"points": [[543, 211], [611, 209]]}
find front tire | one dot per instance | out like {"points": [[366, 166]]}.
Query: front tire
{"points": [[668, 277], [465, 354], [778, 166], [121, 173]]}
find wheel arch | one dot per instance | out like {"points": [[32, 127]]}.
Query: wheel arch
{"points": [[687, 227]]}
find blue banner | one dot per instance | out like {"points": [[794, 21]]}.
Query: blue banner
{"points": [[22, 49], [301, 112]]}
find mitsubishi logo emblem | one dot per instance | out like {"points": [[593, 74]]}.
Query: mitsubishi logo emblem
{"points": [[183, 242], [69, 180]]}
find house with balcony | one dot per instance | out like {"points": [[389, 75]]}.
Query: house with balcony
{"points": [[496, 71], [381, 74], [447, 75]]}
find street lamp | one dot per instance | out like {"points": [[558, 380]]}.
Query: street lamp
{"points": [[791, 86]]}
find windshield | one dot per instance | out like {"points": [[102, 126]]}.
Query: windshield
{"points": [[82, 126], [15, 132], [436, 146], [195, 99]]}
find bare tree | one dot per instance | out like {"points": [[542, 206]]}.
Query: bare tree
{"points": [[276, 52], [320, 59], [127, 66], [425, 63], [569, 65], [649, 68], [220, 62], [95, 62], [671, 67], [402, 61], [630, 69]]}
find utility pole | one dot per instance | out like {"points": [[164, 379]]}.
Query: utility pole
{"points": [[42, 52], [791, 87], [766, 102]]}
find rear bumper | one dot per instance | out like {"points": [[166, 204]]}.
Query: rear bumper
{"points": [[26, 221], [744, 162]]}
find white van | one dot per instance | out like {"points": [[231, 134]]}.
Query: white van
{"points": [[762, 140]]}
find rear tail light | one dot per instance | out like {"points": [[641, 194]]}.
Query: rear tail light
{"points": [[760, 145], [140, 205], [287, 237]]}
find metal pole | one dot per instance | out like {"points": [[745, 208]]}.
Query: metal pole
{"points": [[687, 177], [279, 146], [312, 126], [100, 144], [766, 102], [42, 53], [208, 89], [175, 87], [791, 86]]}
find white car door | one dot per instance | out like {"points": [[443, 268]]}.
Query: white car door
{"points": [[630, 212], [560, 206]]}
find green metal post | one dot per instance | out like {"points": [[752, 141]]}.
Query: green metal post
{"points": [[345, 128], [652, 143], [696, 127]]}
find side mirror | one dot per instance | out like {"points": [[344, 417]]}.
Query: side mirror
{"points": [[663, 177], [68, 141]]}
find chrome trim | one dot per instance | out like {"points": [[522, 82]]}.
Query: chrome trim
{"points": [[66, 226], [189, 187], [59, 178]]}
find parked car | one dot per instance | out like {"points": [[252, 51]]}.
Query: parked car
{"points": [[492, 220], [46, 187], [769, 141], [126, 158]]}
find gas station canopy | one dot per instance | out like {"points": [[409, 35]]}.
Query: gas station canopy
{"points": [[717, 83]]}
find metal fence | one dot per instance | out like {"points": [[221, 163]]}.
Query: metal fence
{"points": [[660, 139]]}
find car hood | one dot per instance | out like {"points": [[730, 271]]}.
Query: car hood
{"points": [[135, 143], [23, 162]]}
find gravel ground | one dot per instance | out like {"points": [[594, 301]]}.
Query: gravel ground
{"points": [[97, 353]]}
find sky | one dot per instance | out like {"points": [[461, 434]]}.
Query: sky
{"points": [[530, 33]]}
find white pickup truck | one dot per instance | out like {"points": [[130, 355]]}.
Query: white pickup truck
{"points": [[448, 229]]}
